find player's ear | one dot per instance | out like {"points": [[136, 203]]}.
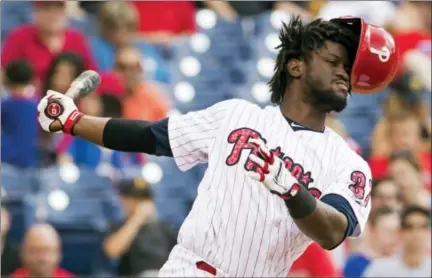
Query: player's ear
{"points": [[295, 68]]}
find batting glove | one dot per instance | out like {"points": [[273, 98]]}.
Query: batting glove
{"points": [[56, 106], [272, 172]]}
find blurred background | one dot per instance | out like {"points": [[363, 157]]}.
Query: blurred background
{"points": [[71, 208]]}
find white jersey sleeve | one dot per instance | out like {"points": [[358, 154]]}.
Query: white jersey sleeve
{"points": [[191, 136], [354, 183]]}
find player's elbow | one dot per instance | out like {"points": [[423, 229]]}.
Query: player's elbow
{"points": [[331, 239]]}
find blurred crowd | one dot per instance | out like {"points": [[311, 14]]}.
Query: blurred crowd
{"points": [[71, 208]]}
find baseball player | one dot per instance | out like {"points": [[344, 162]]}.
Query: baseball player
{"points": [[277, 178]]}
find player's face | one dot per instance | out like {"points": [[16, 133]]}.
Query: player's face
{"points": [[328, 77]]}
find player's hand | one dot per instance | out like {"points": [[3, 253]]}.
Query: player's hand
{"points": [[271, 170], [57, 112]]}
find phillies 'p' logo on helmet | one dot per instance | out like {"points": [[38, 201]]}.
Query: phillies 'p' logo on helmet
{"points": [[376, 59]]}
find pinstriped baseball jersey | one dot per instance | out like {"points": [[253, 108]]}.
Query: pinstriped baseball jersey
{"points": [[238, 226]]}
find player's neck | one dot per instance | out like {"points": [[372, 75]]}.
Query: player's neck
{"points": [[296, 109]]}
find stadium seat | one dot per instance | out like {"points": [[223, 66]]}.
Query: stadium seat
{"points": [[14, 14], [176, 191], [16, 185], [361, 115]]}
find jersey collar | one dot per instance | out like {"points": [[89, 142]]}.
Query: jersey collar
{"points": [[298, 127]]}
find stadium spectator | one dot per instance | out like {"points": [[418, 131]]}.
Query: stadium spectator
{"points": [[385, 194], [161, 22], [142, 243], [41, 254], [19, 145], [48, 36], [117, 24], [381, 240], [143, 100], [405, 170], [413, 260], [306, 265], [9, 255], [63, 69], [400, 131]]}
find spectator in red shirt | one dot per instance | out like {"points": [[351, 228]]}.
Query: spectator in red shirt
{"points": [[314, 262], [163, 21], [48, 36], [41, 254]]}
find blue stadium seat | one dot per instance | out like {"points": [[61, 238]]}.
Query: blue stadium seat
{"points": [[17, 182], [176, 191], [361, 116], [16, 185], [14, 14]]}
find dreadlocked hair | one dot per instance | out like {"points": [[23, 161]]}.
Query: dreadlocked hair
{"points": [[298, 41]]}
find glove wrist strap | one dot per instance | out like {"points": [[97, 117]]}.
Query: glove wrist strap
{"points": [[299, 201], [70, 122]]}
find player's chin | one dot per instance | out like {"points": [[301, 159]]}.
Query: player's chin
{"points": [[339, 102]]}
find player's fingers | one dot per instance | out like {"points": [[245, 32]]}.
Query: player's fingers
{"points": [[257, 142], [256, 176], [262, 149], [257, 160]]}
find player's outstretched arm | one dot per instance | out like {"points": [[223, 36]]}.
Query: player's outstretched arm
{"points": [[117, 134]]}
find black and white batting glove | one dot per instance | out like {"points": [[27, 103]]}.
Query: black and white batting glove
{"points": [[271, 172], [57, 106]]}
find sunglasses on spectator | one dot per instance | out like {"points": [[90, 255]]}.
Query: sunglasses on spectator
{"points": [[411, 227], [128, 66]]}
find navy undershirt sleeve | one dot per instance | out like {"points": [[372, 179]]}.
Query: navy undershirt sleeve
{"points": [[160, 131], [342, 205]]}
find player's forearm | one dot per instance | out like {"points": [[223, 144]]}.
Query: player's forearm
{"points": [[325, 225], [91, 129], [125, 135], [321, 222]]}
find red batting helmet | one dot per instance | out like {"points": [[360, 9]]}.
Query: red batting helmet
{"points": [[376, 59]]}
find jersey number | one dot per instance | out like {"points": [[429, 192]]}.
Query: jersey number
{"points": [[358, 186]]}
